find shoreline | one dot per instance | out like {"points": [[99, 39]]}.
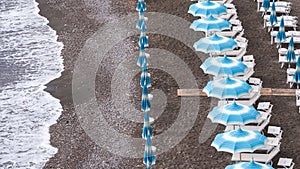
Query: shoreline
{"points": [[73, 23]]}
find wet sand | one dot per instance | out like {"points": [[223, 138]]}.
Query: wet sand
{"points": [[75, 21]]}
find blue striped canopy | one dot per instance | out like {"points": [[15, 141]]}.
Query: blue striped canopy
{"points": [[210, 24], [273, 16], [147, 130], [266, 4], [237, 141], [281, 33], [290, 55], [141, 5], [149, 158], [145, 104], [143, 38], [233, 114], [296, 76], [223, 66], [249, 165], [215, 43], [143, 57], [141, 19], [145, 77], [226, 88], [207, 8]]}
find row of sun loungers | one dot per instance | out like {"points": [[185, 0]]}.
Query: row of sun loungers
{"points": [[273, 143]]}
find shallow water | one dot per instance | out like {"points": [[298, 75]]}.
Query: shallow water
{"points": [[29, 59]]}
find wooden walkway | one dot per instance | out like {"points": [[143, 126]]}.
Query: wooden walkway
{"points": [[263, 92]]}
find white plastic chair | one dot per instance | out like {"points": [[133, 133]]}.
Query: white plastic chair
{"points": [[260, 127], [298, 99], [265, 158], [286, 163], [276, 131]]}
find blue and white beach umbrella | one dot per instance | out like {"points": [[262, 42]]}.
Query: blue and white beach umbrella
{"points": [[143, 57], [236, 141], [215, 44], [281, 33], [141, 19], [145, 77], [290, 55], [143, 38], [141, 5], [266, 5], [249, 165], [296, 76], [273, 16], [226, 88], [207, 8], [233, 114], [145, 105], [147, 130], [149, 158], [210, 24], [223, 66]]}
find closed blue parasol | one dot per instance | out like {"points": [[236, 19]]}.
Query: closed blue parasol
{"points": [[266, 5], [149, 158], [145, 77], [273, 16], [143, 57], [141, 5], [143, 38], [281, 33], [207, 8], [142, 19], [145, 105], [296, 76], [147, 130], [290, 55]]}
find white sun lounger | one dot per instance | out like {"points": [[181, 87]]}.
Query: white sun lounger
{"points": [[258, 157], [298, 99], [237, 54], [248, 58], [282, 56], [287, 24], [235, 22], [255, 81], [264, 122], [223, 1], [285, 17], [276, 131], [236, 30], [277, 4], [265, 107], [290, 76], [230, 15], [249, 100], [287, 40], [270, 144], [286, 163], [279, 10]]}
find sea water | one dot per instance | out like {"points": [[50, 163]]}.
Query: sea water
{"points": [[29, 59]]}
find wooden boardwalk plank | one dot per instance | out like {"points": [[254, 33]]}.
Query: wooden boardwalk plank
{"points": [[263, 92]]}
